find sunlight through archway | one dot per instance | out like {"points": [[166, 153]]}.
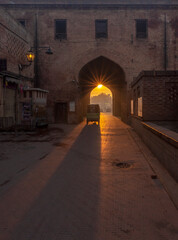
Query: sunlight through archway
{"points": [[103, 96], [102, 70]]}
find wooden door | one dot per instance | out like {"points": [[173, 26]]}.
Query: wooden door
{"points": [[61, 112]]}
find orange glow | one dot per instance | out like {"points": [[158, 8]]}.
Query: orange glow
{"points": [[99, 86], [30, 56], [96, 91], [102, 96]]}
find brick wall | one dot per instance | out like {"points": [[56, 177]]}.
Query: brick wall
{"points": [[14, 44], [122, 46], [93, 1], [159, 92]]}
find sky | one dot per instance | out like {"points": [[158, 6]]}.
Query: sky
{"points": [[96, 91]]}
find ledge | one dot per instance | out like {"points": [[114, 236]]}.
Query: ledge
{"points": [[154, 74], [15, 76], [91, 6], [164, 133]]}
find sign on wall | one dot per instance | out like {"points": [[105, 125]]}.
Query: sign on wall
{"points": [[26, 111], [140, 107], [72, 106]]}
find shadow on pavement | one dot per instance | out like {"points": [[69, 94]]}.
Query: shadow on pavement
{"points": [[67, 207]]}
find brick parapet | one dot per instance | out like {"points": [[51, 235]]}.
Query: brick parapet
{"points": [[151, 74], [159, 92], [109, 4], [95, 6]]}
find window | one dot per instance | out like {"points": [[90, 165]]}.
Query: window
{"points": [[3, 65], [141, 28], [101, 28], [22, 22], [61, 29]]}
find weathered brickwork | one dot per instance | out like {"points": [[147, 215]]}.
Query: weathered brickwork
{"points": [[14, 44], [159, 92], [91, 1], [159, 50]]}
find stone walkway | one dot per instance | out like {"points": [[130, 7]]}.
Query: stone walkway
{"points": [[95, 185]]}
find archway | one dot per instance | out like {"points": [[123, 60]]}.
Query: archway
{"points": [[103, 96], [108, 73]]}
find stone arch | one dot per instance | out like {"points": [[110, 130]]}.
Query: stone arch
{"points": [[91, 54], [107, 72]]}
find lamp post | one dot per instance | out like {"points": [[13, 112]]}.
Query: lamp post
{"points": [[48, 51], [36, 48]]}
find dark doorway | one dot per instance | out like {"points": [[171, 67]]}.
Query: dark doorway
{"points": [[61, 112]]}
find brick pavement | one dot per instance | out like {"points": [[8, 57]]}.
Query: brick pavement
{"points": [[78, 192]]}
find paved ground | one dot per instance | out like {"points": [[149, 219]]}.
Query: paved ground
{"points": [[19, 151], [94, 185]]}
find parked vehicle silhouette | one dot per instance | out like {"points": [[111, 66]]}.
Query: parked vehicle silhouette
{"points": [[93, 113]]}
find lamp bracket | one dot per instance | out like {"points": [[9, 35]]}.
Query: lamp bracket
{"points": [[49, 51], [45, 47], [22, 66]]}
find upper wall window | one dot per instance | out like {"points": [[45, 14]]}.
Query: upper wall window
{"points": [[22, 22], [141, 28], [3, 65], [61, 29], [101, 28]]}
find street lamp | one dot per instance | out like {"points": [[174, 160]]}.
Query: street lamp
{"points": [[31, 56], [48, 51]]}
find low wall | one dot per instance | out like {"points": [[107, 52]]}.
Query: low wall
{"points": [[162, 142]]}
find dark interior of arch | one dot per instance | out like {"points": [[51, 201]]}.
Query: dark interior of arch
{"points": [[101, 71]]}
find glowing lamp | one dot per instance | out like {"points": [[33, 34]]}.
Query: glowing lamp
{"points": [[30, 56]]}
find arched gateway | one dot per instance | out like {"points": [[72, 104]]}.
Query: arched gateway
{"points": [[103, 71]]}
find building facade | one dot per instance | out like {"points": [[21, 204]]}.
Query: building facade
{"points": [[154, 96], [108, 42], [14, 78]]}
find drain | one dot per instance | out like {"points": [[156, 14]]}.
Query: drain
{"points": [[154, 176], [156, 181], [122, 164]]}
